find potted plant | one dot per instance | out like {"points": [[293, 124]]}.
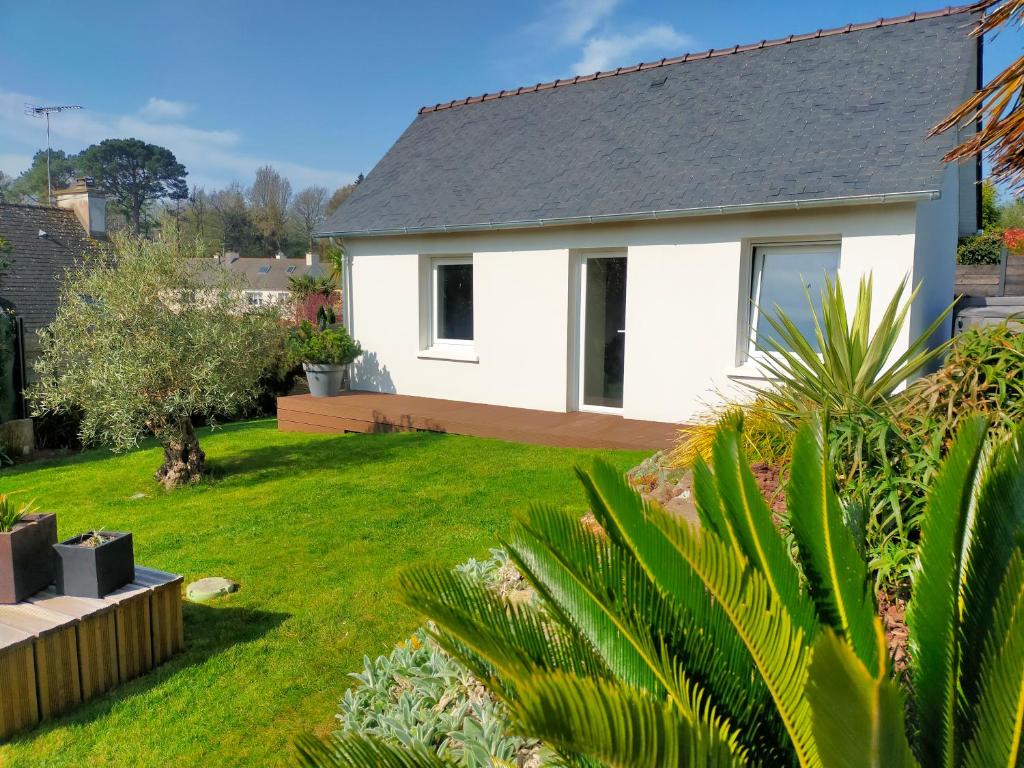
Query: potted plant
{"points": [[324, 350], [94, 564], [26, 539]]}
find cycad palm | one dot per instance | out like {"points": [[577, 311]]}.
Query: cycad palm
{"points": [[661, 645]]}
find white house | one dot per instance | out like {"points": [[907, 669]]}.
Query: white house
{"points": [[599, 243]]}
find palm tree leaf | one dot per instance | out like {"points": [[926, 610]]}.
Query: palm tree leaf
{"points": [[363, 751], [660, 624], [777, 647], [751, 520], [1000, 711], [514, 638], [599, 591], [835, 571], [857, 713], [933, 616], [619, 725], [994, 538]]}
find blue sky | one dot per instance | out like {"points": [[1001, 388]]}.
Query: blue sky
{"points": [[321, 89]]}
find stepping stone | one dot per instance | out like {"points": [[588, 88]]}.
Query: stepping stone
{"points": [[209, 588]]}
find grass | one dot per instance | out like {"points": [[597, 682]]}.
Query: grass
{"points": [[315, 528]]}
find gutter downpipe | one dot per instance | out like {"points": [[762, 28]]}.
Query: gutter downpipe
{"points": [[681, 213]]}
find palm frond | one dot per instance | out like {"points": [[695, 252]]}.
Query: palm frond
{"points": [[361, 752], [750, 520], [645, 637], [996, 106], [1000, 711], [619, 725], [777, 646], [933, 616], [515, 639], [857, 711], [992, 543], [835, 571]]}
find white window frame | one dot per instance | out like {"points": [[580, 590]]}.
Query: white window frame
{"points": [[435, 306], [754, 291]]}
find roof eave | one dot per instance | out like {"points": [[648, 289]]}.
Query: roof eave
{"points": [[659, 215]]}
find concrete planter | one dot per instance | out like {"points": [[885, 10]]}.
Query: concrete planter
{"points": [[324, 380], [26, 564], [85, 571]]}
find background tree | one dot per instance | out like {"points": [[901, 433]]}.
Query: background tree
{"points": [[269, 198], [144, 341], [237, 230], [134, 174], [30, 186], [309, 209]]}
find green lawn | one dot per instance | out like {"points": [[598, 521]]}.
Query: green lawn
{"points": [[315, 528]]}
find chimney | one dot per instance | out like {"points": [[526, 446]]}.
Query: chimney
{"points": [[232, 256], [89, 204], [312, 259], [279, 255]]}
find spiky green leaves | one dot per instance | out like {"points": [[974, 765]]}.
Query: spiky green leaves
{"points": [[835, 570], [858, 711]]}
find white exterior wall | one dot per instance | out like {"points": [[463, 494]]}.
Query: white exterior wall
{"points": [[686, 307]]}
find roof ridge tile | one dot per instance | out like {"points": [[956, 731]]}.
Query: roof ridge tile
{"points": [[708, 54]]}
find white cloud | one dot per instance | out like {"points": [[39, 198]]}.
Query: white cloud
{"points": [[580, 17], [165, 109], [601, 53], [213, 157]]}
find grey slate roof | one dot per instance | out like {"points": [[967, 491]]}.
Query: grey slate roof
{"points": [[277, 274], [842, 115], [33, 280]]}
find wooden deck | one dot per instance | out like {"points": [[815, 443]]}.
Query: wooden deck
{"points": [[373, 412]]}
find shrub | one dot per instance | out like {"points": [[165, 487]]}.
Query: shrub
{"points": [[420, 696], [669, 646], [986, 248], [143, 342], [766, 437], [331, 345]]}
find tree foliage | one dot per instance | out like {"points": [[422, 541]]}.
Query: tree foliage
{"points": [[309, 210], [134, 174], [30, 186], [143, 342], [269, 199]]}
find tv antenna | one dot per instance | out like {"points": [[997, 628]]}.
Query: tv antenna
{"points": [[45, 112]]}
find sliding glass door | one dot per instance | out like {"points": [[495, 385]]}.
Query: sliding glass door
{"points": [[602, 331]]}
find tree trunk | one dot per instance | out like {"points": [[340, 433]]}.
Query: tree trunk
{"points": [[184, 461]]}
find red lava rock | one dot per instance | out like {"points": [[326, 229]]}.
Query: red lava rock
{"points": [[892, 609]]}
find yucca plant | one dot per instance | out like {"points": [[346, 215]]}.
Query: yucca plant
{"points": [[11, 513], [851, 366], [658, 644]]}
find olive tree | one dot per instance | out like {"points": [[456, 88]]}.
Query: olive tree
{"points": [[145, 340]]}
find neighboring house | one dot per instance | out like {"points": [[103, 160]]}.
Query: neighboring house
{"points": [[267, 278], [600, 243], [46, 241]]}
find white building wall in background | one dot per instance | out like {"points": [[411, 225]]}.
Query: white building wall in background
{"points": [[686, 308]]}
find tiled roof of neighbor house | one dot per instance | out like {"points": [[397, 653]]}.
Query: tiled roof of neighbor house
{"points": [[267, 273], [33, 280], [836, 114]]}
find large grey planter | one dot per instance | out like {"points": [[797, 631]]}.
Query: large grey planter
{"points": [[324, 380]]}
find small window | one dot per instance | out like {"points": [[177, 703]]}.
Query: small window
{"points": [[783, 278], [265, 270], [289, 270], [453, 301], [255, 299]]}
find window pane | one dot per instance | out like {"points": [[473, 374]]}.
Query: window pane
{"points": [[455, 301], [786, 278]]}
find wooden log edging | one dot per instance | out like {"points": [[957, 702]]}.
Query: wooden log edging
{"points": [[58, 651]]}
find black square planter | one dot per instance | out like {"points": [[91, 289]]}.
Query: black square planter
{"points": [[94, 571], [26, 566]]}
